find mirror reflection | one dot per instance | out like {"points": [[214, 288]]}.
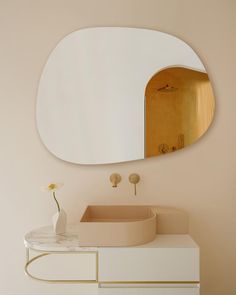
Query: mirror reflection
{"points": [[179, 109]]}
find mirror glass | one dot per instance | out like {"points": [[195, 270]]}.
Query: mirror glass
{"points": [[112, 94]]}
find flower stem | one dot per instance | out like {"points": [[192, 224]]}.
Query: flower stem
{"points": [[58, 206]]}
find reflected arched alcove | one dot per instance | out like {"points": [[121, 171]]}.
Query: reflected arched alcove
{"points": [[179, 109]]}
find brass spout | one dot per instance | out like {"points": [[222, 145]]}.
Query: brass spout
{"points": [[115, 178]]}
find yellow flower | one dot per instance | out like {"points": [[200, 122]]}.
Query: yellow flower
{"points": [[52, 187]]}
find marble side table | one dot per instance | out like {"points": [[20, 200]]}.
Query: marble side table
{"points": [[44, 241]]}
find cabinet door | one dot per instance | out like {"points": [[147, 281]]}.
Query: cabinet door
{"points": [[152, 264], [148, 291]]}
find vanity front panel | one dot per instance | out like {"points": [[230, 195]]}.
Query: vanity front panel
{"points": [[169, 258]]}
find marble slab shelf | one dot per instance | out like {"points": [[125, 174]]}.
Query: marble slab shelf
{"points": [[45, 240]]}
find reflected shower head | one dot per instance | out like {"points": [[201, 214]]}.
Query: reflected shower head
{"points": [[167, 88]]}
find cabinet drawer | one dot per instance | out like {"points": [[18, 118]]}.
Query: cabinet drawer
{"points": [[72, 266], [148, 265], [148, 291]]}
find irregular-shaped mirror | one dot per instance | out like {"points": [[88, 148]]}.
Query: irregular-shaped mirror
{"points": [[109, 95]]}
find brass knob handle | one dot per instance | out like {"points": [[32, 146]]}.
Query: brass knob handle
{"points": [[134, 178]]}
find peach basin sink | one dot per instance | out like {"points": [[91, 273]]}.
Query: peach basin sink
{"points": [[117, 226]]}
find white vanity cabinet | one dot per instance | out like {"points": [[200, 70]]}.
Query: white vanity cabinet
{"points": [[169, 265]]}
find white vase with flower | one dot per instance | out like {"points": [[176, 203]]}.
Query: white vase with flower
{"points": [[59, 219]]}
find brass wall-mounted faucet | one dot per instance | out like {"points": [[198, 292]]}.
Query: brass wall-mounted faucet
{"points": [[115, 178]]}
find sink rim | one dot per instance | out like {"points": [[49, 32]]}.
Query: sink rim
{"points": [[117, 214]]}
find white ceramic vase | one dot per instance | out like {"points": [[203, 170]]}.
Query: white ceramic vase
{"points": [[59, 222]]}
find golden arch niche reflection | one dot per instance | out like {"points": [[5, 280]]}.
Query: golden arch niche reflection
{"points": [[179, 109]]}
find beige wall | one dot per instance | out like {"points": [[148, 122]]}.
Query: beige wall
{"points": [[199, 179]]}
